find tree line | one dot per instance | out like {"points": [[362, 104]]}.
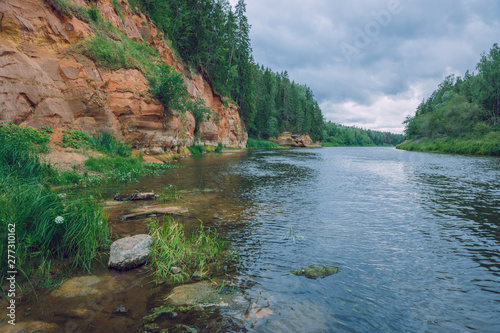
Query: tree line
{"points": [[461, 106], [340, 135]]}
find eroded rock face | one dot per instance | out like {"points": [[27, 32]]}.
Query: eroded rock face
{"points": [[130, 252], [41, 84]]}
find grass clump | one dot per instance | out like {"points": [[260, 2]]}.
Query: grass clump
{"points": [[169, 193], [124, 168], [70, 9], [263, 144], [199, 254], [36, 138], [102, 142]]}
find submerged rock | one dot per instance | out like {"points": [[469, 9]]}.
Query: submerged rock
{"points": [[78, 286], [316, 271], [200, 293], [130, 252]]}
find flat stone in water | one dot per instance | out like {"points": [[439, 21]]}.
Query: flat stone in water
{"points": [[316, 271], [79, 286]]}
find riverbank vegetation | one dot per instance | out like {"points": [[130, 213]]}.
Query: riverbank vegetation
{"points": [[462, 115], [178, 256], [42, 226], [46, 226], [337, 135], [261, 144]]}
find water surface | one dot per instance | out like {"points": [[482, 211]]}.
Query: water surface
{"points": [[416, 236]]}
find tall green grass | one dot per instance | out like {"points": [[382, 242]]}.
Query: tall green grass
{"points": [[202, 253], [46, 228], [103, 142]]}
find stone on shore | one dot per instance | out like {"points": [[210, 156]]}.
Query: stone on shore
{"points": [[130, 252]]}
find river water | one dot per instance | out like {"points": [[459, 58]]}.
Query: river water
{"points": [[416, 236]]}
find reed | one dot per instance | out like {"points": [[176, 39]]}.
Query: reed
{"points": [[200, 254]]}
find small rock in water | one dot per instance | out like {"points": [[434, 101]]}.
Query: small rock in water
{"points": [[316, 271]]}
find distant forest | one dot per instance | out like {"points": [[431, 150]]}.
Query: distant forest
{"points": [[340, 135], [459, 107], [214, 38]]}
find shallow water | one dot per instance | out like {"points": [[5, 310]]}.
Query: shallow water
{"points": [[416, 237]]}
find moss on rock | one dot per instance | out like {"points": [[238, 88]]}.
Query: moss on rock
{"points": [[316, 271]]}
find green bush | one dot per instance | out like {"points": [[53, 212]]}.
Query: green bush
{"points": [[197, 149]]}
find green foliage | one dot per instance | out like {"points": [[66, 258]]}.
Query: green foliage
{"points": [[220, 147], [37, 139], [62, 6], [118, 10], [199, 110], [118, 164], [70, 9], [94, 13], [339, 135], [168, 86], [169, 193], [460, 113], [102, 142], [263, 144], [201, 253], [197, 149], [75, 139], [124, 168], [19, 153], [284, 106], [108, 144], [488, 145], [45, 227]]}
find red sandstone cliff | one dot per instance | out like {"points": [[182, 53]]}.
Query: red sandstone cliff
{"points": [[41, 84]]}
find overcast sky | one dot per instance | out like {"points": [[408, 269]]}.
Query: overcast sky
{"points": [[371, 62]]}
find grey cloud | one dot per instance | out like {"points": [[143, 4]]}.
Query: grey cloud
{"points": [[419, 46]]}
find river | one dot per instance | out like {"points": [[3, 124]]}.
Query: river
{"points": [[416, 236]]}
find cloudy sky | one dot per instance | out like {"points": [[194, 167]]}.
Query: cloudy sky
{"points": [[371, 62]]}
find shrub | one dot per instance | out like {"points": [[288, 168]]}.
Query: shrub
{"points": [[197, 149], [219, 148]]}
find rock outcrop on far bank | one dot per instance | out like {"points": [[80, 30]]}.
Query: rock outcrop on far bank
{"points": [[288, 139]]}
